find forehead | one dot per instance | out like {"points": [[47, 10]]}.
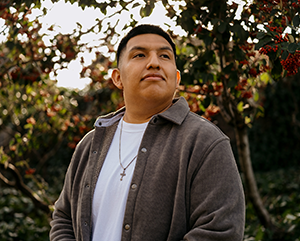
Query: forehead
{"points": [[148, 41]]}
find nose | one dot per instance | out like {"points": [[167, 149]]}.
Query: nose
{"points": [[153, 62]]}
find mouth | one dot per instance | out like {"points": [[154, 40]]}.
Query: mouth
{"points": [[153, 77]]}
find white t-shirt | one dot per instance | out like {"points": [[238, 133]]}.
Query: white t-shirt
{"points": [[111, 193]]}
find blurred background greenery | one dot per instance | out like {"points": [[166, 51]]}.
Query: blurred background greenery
{"points": [[239, 64]]}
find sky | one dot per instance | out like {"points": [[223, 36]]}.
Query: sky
{"points": [[65, 15], [56, 14]]}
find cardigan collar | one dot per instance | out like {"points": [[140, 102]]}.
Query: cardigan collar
{"points": [[176, 114]]}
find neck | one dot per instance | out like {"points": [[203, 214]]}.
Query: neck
{"points": [[142, 115]]}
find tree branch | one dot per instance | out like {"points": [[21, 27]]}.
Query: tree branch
{"points": [[20, 185]]}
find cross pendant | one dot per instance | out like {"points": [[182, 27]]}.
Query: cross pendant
{"points": [[122, 175]]}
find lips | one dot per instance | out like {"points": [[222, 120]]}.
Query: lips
{"points": [[153, 77]]}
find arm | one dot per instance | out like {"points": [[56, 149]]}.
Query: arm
{"points": [[62, 225], [217, 205]]}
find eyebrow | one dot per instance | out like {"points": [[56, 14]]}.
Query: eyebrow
{"points": [[143, 48]]}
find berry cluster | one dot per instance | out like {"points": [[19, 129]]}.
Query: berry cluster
{"points": [[242, 86], [267, 6], [267, 49], [244, 62], [249, 49], [279, 39], [296, 5], [253, 72], [292, 63], [275, 29], [247, 94]]}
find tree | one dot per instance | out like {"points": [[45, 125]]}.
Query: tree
{"points": [[223, 61], [40, 124], [227, 61]]}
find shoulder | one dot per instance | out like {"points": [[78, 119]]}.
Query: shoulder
{"points": [[86, 140], [82, 149], [192, 127], [201, 127]]}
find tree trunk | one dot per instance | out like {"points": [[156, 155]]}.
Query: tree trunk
{"points": [[249, 179]]}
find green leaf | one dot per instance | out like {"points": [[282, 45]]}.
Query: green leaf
{"points": [[247, 120], [28, 126], [208, 40], [222, 27], [3, 157], [263, 42], [256, 96], [292, 48], [215, 21], [240, 106], [260, 234], [265, 77], [296, 21], [202, 107], [260, 35], [206, 102], [136, 5], [239, 32], [284, 45], [103, 7], [147, 10]]}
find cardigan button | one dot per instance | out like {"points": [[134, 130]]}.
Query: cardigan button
{"points": [[85, 223], [127, 227], [144, 150], [133, 186], [94, 152]]}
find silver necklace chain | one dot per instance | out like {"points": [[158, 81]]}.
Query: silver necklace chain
{"points": [[124, 168]]}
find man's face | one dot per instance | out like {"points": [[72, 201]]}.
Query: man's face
{"points": [[147, 70]]}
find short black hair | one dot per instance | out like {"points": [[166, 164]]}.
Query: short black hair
{"points": [[144, 29]]}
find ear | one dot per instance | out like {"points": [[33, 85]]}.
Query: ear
{"points": [[178, 78], [116, 78]]}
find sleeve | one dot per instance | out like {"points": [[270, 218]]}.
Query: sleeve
{"points": [[61, 224], [217, 203]]}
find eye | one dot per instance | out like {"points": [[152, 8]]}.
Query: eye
{"points": [[165, 56], [140, 55]]}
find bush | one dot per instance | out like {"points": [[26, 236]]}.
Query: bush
{"points": [[20, 220], [280, 190], [274, 139]]}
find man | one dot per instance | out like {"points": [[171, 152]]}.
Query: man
{"points": [[152, 170]]}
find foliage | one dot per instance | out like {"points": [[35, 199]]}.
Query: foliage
{"points": [[227, 61], [20, 220], [280, 190], [40, 124], [275, 138]]}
